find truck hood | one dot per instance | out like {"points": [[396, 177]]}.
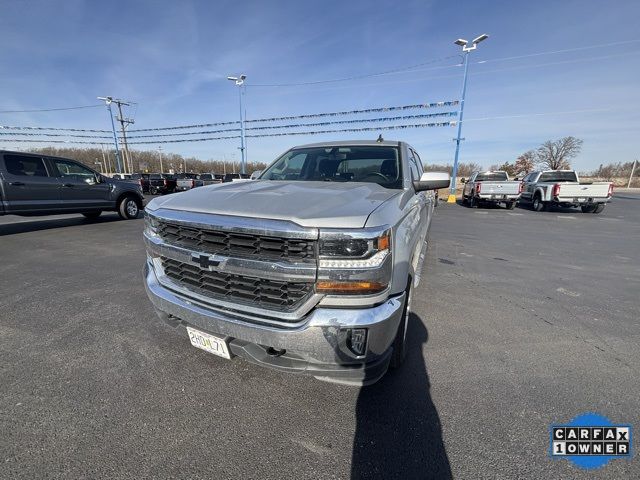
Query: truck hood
{"points": [[309, 204]]}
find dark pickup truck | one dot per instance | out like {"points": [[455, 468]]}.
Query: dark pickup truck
{"points": [[142, 179], [34, 184], [162, 183]]}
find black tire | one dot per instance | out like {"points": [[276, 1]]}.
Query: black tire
{"points": [[538, 205], [511, 205], [153, 191], [472, 202], [599, 208], [465, 202], [588, 208], [129, 207], [92, 215], [400, 342]]}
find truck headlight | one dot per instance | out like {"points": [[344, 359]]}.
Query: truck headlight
{"points": [[354, 262], [150, 225]]}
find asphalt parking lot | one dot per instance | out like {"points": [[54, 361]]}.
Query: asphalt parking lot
{"points": [[523, 319]]}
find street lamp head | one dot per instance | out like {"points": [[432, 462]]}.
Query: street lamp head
{"points": [[461, 41], [239, 80], [107, 100], [479, 39]]}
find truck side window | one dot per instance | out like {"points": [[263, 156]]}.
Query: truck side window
{"points": [[74, 171], [25, 166]]}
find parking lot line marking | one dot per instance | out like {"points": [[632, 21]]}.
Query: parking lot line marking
{"points": [[565, 216], [482, 213], [511, 213]]}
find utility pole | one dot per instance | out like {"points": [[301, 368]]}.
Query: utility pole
{"points": [[160, 153], [633, 169], [108, 101], [465, 52], [103, 159], [239, 81], [124, 122]]}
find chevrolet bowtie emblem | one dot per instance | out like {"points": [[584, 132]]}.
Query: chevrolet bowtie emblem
{"points": [[205, 261]]}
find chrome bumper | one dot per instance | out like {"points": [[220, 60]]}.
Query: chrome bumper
{"points": [[316, 346]]}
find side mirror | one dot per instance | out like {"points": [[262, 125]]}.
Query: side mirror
{"points": [[255, 174], [432, 181], [463, 180]]}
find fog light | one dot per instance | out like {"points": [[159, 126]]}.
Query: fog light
{"points": [[357, 340]]}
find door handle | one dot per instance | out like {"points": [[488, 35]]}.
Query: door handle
{"points": [[68, 185], [17, 184]]}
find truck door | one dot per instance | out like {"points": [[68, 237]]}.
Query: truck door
{"points": [[80, 187], [28, 184]]}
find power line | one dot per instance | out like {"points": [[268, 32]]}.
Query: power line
{"points": [[354, 77], [50, 109], [9, 127]]}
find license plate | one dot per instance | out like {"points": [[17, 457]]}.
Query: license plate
{"points": [[209, 343]]}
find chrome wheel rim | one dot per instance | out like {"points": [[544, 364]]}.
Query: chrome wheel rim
{"points": [[132, 208]]}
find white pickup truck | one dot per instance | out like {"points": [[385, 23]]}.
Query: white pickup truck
{"points": [[563, 188], [490, 187]]}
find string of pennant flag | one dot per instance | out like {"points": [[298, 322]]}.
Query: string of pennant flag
{"points": [[302, 125], [74, 138]]}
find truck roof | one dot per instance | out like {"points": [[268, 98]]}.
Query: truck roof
{"points": [[349, 143]]}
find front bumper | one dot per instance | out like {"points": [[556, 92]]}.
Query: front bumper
{"points": [[317, 346]]}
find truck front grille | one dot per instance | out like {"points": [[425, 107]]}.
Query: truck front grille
{"points": [[237, 244], [268, 294]]}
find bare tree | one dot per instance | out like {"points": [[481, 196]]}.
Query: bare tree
{"points": [[524, 163], [556, 154]]}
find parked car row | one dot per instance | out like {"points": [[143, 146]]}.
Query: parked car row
{"points": [[539, 189]]}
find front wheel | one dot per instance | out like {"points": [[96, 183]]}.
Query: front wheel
{"points": [[128, 208], [599, 208], [472, 202], [511, 205], [400, 342]]}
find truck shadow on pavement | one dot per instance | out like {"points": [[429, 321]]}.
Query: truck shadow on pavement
{"points": [[398, 432], [25, 226]]}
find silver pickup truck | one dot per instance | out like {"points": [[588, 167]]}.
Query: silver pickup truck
{"points": [[308, 269], [490, 187], [563, 188], [192, 180]]}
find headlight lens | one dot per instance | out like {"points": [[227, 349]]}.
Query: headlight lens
{"points": [[354, 262], [350, 247], [150, 225]]}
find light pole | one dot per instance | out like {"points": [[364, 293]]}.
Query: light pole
{"points": [[239, 82], [465, 53], [160, 153], [107, 101]]}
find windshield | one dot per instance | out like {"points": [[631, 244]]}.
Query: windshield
{"points": [[492, 177], [558, 177], [370, 164]]}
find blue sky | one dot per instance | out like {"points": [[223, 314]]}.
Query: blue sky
{"points": [[173, 59]]}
